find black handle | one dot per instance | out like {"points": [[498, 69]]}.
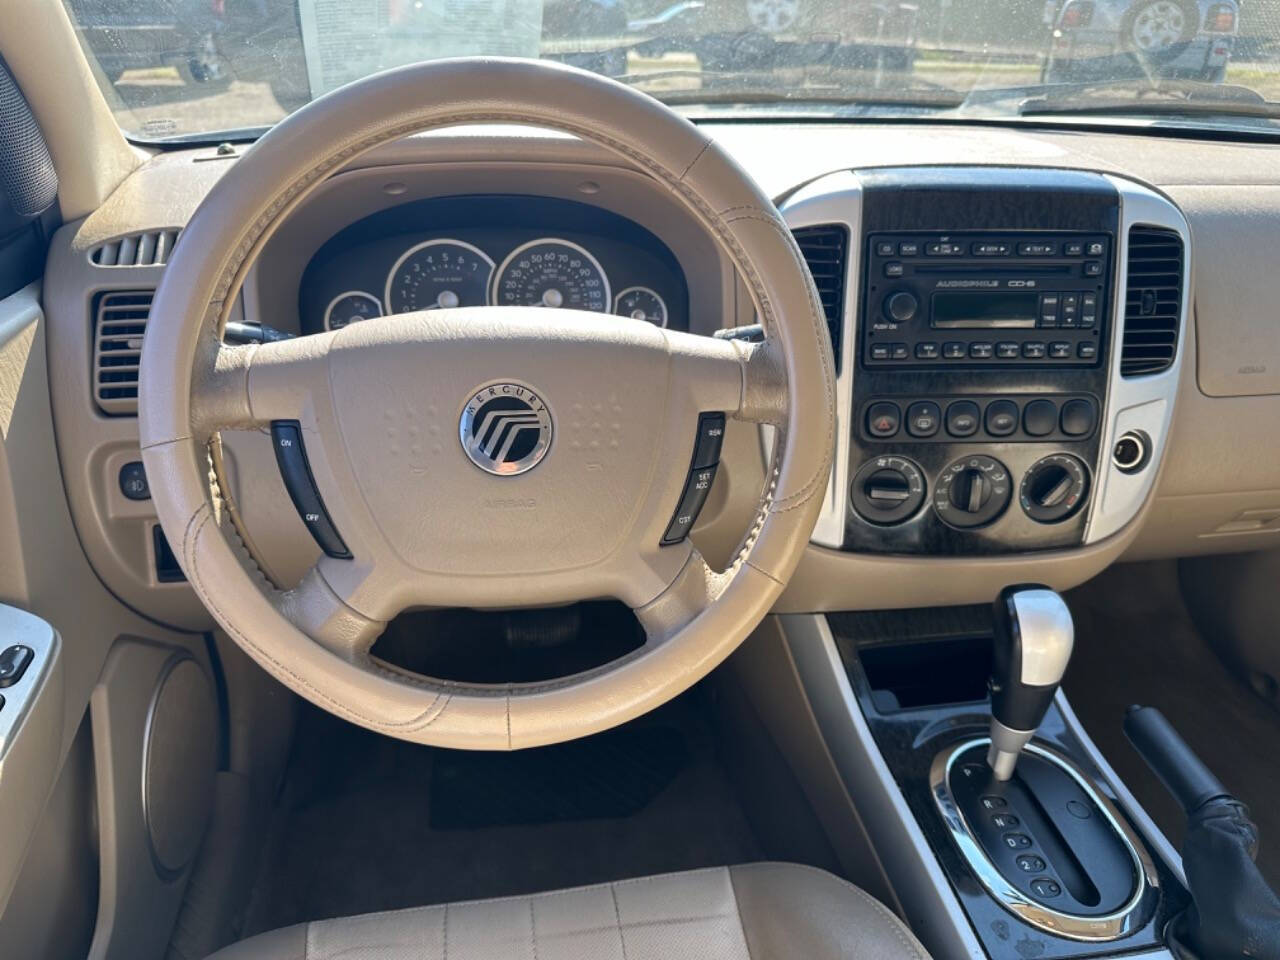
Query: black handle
{"points": [[1182, 772]]}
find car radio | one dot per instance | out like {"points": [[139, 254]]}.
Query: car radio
{"points": [[985, 299]]}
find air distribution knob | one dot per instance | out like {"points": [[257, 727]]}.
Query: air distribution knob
{"points": [[972, 491], [901, 307]]}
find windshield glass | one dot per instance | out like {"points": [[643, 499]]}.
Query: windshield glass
{"points": [[206, 69]]}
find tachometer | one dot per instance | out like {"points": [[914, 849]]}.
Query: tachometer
{"points": [[641, 303], [439, 274], [349, 307], [551, 273]]}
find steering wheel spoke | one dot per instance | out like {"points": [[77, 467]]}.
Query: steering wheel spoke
{"points": [[251, 385], [322, 612], [744, 380]]}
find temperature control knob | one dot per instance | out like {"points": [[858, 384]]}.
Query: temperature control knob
{"points": [[972, 492], [887, 490], [1054, 488], [901, 307]]}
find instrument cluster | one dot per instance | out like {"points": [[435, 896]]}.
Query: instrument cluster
{"points": [[492, 251]]}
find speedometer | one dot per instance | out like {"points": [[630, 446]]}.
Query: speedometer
{"points": [[551, 273], [439, 274]]}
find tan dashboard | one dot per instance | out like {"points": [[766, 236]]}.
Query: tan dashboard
{"points": [[1218, 487]]}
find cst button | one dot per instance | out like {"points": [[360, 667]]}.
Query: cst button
{"points": [[133, 481], [883, 419], [695, 493], [923, 418]]}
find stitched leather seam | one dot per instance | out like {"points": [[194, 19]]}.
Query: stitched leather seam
{"points": [[617, 919]]}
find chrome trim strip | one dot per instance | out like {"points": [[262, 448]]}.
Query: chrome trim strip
{"points": [[835, 199], [1138, 403], [1151, 833], [1110, 926]]}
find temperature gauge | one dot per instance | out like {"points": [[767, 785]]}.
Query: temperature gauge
{"points": [[641, 303], [350, 307]]}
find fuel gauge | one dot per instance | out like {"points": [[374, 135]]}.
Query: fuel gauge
{"points": [[350, 307], [641, 303]]}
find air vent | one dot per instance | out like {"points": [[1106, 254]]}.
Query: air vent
{"points": [[150, 249], [824, 250], [120, 320], [1152, 303]]}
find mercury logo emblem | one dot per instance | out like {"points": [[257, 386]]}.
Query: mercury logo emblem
{"points": [[505, 428]]}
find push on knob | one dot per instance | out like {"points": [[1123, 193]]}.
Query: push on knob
{"points": [[900, 307]]}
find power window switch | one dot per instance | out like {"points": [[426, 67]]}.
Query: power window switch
{"points": [[14, 661]]}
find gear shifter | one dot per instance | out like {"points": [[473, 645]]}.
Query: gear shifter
{"points": [[1033, 640]]}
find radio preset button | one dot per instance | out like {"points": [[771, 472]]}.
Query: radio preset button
{"points": [[980, 351], [1059, 350], [1086, 351], [962, 418], [1073, 249], [926, 351], [1001, 418], [953, 350], [901, 307], [1040, 418], [893, 269], [1037, 249], [1006, 350], [908, 248], [883, 419], [1033, 350], [899, 351], [923, 418], [884, 249]]}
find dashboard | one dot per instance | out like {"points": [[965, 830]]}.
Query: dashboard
{"points": [[999, 420], [487, 250]]}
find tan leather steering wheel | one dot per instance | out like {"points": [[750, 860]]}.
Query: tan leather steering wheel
{"points": [[379, 405]]}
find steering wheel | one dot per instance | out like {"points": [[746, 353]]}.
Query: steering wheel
{"points": [[614, 404]]}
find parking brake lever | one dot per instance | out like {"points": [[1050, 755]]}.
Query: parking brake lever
{"points": [[1234, 912]]}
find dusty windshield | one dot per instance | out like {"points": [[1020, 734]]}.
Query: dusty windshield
{"points": [[203, 69]]}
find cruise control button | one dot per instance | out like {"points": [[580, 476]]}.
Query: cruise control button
{"points": [[953, 350], [1001, 418], [14, 661], [1078, 418], [1006, 350], [291, 458], [883, 419], [1044, 887], [962, 418], [1040, 418], [1030, 863], [923, 418], [706, 453], [695, 493]]}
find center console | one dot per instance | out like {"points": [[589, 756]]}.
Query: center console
{"points": [[999, 352]]}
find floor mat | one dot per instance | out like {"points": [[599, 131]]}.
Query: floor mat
{"points": [[615, 774], [1135, 643], [358, 828]]}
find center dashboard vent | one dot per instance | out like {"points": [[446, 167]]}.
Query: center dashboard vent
{"points": [[825, 250], [1152, 303], [120, 320], [148, 249]]}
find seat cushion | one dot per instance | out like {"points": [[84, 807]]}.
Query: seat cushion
{"points": [[764, 911]]}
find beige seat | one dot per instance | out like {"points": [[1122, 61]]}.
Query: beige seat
{"points": [[765, 911]]}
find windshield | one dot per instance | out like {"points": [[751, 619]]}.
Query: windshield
{"points": [[209, 69]]}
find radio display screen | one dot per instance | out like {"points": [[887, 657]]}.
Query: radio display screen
{"points": [[981, 311]]}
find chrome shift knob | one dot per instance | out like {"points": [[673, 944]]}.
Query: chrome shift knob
{"points": [[1033, 640]]}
